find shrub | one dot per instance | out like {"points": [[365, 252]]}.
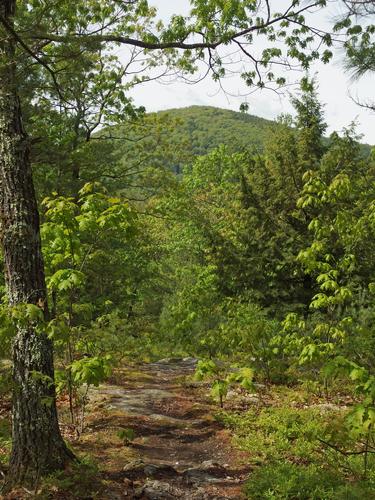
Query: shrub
{"points": [[292, 481]]}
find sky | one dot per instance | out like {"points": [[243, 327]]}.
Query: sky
{"points": [[335, 87]]}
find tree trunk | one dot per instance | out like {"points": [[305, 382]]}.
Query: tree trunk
{"points": [[38, 447]]}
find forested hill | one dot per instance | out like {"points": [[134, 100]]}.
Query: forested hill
{"points": [[171, 139], [206, 127], [175, 137]]}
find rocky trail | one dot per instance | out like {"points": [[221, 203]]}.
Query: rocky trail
{"points": [[177, 450]]}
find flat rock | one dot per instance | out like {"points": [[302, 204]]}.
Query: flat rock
{"points": [[207, 472], [137, 469], [190, 361], [159, 470], [168, 361], [157, 490], [329, 407]]}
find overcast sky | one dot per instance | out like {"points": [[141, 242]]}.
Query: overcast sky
{"points": [[335, 88]]}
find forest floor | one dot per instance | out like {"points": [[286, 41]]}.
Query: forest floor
{"points": [[179, 450], [152, 432]]}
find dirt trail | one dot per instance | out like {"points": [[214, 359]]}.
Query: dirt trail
{"points": [[179, 451]]}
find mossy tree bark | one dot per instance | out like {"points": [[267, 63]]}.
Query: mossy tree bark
{"points": [[38, 447]]}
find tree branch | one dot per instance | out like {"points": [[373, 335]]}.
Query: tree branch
{"points": [[39, 60], [111, 38]]}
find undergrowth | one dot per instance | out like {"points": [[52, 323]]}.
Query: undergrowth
{"points": [[301, 452], [81, 480]]}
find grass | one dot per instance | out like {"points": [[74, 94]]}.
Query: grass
{"points": [[285, 441], [303, 482]]}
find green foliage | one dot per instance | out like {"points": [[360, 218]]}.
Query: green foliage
{"points": [[7, 331], [76, 380], [81, 237], [222, 377], [361, 419], [91, 371], [178, 136], [88, 245], [278, 434], [212, 371], [126, 435], [258, 254], [5, 440], [191, 315], [6, 382], [241, 210], [357, 25], [205, 128], [287, 447], [26, 314], [288, 481], [329, 338], [81, 479], [248, 332], [227, 261]]}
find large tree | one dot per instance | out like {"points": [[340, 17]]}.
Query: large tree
{"points": [[50, 33], [37, 442]]}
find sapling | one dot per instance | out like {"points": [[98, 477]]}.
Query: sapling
{"points": [[222, 377], [75, 237], [127, 435]]}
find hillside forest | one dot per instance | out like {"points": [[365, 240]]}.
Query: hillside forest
{"points": [[197, 279]]}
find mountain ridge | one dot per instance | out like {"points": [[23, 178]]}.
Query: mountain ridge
{"points": [[208, 127]]}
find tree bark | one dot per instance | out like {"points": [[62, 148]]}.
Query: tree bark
{"points": [[38, 447]]}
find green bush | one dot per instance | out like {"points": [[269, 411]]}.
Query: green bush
{"points": [[301, 453], [278, 433], [292, 481]]}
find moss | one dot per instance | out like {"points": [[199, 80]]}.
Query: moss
{"points": [[5, 440]]}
